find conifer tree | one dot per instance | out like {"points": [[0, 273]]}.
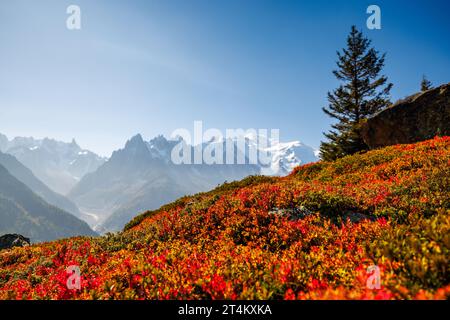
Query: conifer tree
{"points": [[425, 84], [363, 92]]}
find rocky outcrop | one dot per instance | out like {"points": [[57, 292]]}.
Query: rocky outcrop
{"points": [[293, 213], [416, 118], [13, 240]]}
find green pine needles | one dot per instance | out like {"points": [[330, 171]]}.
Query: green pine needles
{"points": [[363, 92]]}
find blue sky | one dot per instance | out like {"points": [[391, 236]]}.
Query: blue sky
{"points": [[151, 67]]}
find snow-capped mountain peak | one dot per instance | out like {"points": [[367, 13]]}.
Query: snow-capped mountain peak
{"points": [[284, 156], [58, 164]]}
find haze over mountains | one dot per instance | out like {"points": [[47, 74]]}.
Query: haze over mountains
{"points": [[24, 175], [24, 212], [107, 193], [58, 164]]}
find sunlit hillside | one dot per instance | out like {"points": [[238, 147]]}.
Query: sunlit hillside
{"points": [[311, 235]]}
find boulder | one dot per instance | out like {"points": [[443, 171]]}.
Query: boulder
{"points": [[292, 213], [8, 241], [419, 117]]}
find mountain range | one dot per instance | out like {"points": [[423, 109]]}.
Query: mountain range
{"points": [[141, 176], [107, 193], [59, 165]]}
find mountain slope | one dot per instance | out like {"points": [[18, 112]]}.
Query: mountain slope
{"points": [[311, 235], [152, 195], [23, 174], [23, 212]]}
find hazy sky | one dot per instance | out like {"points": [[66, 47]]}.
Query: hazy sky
{"points": [[151, 67]]}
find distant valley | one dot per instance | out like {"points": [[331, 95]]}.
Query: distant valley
{"points": [[22, 211]]}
